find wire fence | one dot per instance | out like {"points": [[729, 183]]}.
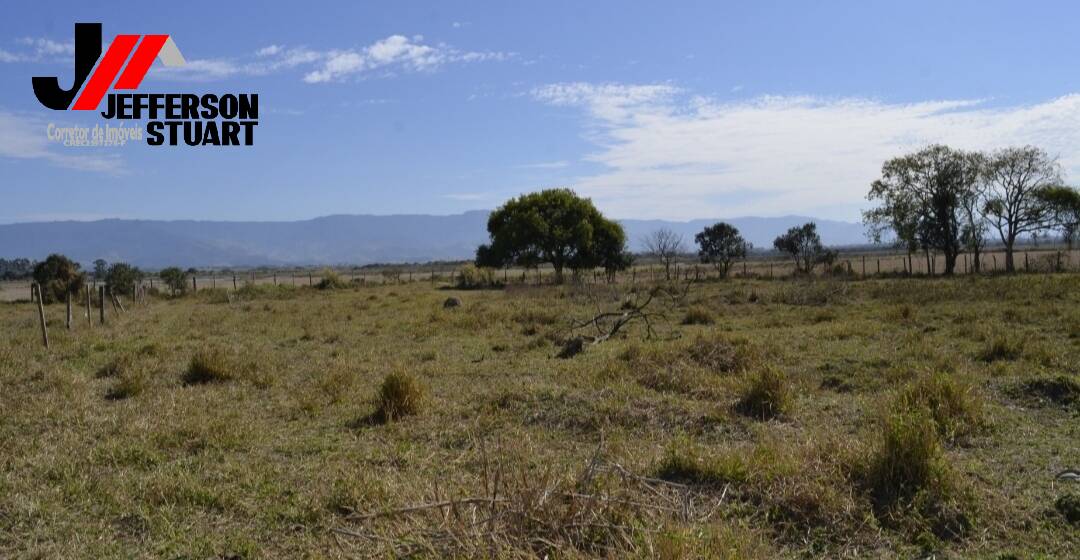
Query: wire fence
{"points": [[866, 264]]}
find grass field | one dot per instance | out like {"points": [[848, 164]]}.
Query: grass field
{"points": [[761, 419]]}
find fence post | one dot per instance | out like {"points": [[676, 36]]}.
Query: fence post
{"points": [[1027, 265], [879, 267], [864, 266], [41, 316], [995, 262], [89, 313], [101, 294], [194, 283], [68, 322]]}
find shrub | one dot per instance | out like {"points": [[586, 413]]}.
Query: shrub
{"points": [[400, 395], [331, 281], [58, 276], [766, 395], [697, 315], [471, 277], [953, 405], [209, 366]]}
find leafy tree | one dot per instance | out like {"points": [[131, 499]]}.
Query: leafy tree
{"points": [[720, 244], [1064, 203], [665, 245], [804, 245], [1016, 179], [101, 269], [554, 226], [121, 277], [923, 197], [175, 279], [58, 276]]}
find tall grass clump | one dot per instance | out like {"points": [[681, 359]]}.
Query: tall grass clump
{"points": [[130, 383], [399, 395], [331, 280], [697, 315], [954, 405], [686, 463], [910, 481], [471, 277], [1001, 347], [766, 395], [209, 366]]}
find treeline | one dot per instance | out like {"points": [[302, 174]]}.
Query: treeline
{"points": [[16, 269], [940, 199]]}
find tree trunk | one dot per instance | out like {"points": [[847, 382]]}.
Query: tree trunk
{"points": [[977, 264], [950, 263], [1009, 265]]}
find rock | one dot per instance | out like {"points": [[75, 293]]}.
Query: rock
{"points": [[451, 302]]}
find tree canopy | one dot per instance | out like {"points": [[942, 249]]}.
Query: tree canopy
{"points": [[720, 244], [552, 226], [804, 245], [58, 276]]}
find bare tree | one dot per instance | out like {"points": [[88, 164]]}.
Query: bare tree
{"points": [[1015, 181], [665, 245]]}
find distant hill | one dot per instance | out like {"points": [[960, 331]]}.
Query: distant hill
{"points": [[342, 239]]}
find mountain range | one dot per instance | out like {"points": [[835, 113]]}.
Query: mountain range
{"points": [[328, 240]]}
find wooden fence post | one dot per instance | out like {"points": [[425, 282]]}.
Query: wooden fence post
{"points": [[101, 294], [879, 267], [89, 313], [234, 282], [1027, 265], [41, 316], [194, 283], [68, 322]]}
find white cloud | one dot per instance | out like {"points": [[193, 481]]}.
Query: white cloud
{"points": [[545, 165], [396, 52], [671, 155], [38, 49], [24, 138]]}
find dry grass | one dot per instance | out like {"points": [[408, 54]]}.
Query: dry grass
{"points": [[223, 425]]}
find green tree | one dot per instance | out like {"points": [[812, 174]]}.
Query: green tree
{"points": [[1064, 203], [804, 246], [58, 276], [1016, 179], [175, 279], [720, 244], [101, 268], [551, 226], [923, 198], [121, 278]]}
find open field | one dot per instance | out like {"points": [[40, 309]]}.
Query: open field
{"points": [[761, 419]]}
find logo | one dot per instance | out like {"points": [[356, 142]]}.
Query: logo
{"points": [[195, 119], [87, 53]]}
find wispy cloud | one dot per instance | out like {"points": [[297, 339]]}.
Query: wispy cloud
{"points": [[545, 165], [24, 138], [667, 153], [37, 49], [396, 53]]}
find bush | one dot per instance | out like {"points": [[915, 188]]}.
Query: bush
{"points": [[471, 277], [766, 395], [953, 405], [122, 277], [400, 395], [58, 276], [697, 315], [331, 281], [209, 366], [115, 367]]}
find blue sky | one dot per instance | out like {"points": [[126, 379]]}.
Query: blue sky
{"points": [[672, 110]]}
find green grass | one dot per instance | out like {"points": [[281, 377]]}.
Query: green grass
{"points": [[917, 417]]}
